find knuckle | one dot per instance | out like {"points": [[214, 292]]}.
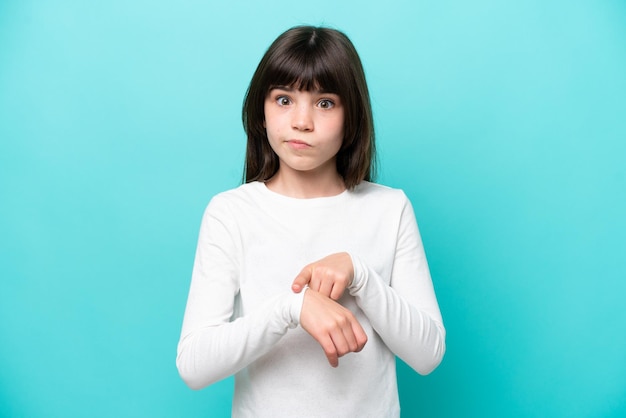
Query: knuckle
{"points": [[349, 317]]}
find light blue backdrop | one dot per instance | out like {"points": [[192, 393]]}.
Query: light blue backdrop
{"points": [[504, 122]]}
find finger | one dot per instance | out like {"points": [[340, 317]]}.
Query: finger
{"points": [[326, 287], [354, 334], [337, 291], [330, 350], [301, 280], [315, 283], [350, 339], [359, 335], [341, 339]]}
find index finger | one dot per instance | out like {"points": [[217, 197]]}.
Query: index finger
{"points": [[302, 279]]}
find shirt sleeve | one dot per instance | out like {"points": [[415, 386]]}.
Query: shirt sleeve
{"points": [[212, 345], [405, 312]]}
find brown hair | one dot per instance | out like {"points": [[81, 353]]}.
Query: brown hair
{"points": [[307, 58]]}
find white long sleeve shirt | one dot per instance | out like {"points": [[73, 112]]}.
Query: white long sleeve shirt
{"points": [[242, 317]]}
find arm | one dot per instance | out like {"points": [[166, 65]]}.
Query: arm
{"points": [[404, 313], [209, 354], [212, 346]]}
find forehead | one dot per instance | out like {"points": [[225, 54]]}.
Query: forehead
{"points": [[302, 85], [295, 87], [304, 73], [310, 85]]}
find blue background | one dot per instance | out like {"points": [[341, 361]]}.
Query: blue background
{"points": [[504, 122]]}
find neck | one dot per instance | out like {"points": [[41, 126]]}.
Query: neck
{"points": [[306, 185]]}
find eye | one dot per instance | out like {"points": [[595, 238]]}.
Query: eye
{"points": [[326, 104], [283, 100]]}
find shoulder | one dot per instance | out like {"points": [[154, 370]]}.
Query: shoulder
{"points": [[377, 201], [230, 202], [380, 194], [238, 195]]}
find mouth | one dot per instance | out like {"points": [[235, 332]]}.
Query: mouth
{"points": [[297, 144]]}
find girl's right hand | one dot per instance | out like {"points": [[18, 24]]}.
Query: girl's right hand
{"points": [[333, 326]]}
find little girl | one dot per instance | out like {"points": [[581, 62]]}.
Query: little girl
{"points": [[309, 279]]}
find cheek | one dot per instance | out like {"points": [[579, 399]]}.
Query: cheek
{"points": [[272, 131], [339, 127], [340, 122], [271, 123], [273, 134]]}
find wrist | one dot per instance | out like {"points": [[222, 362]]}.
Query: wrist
{"points": [[357, 276], [295, 308]]}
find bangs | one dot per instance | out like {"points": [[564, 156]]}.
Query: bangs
{"points": [[305, 70]]}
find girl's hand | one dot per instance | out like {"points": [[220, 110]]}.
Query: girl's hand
{"points": [[334, 327], [329, 276]]}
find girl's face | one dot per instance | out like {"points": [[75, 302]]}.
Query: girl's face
{"points": [[305, 129]]}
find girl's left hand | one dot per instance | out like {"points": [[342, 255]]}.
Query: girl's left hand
{"points": [[329, 276]]}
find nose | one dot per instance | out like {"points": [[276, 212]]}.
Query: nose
{"points": [[302, 118]]}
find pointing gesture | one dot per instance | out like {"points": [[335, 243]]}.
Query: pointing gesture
{"points": [[329, 276]]}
